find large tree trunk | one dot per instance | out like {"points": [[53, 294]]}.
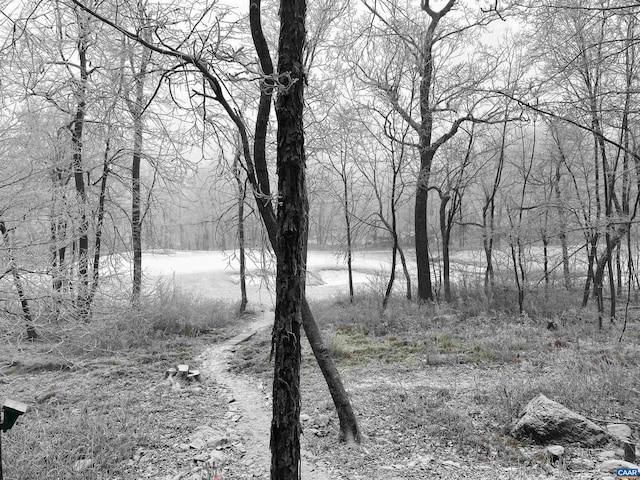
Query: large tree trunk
{"points": [[137, 107], [259, 178], [425, 289], [290, 245]]}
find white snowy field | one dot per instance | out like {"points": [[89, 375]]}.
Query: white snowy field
{"points": [[215, 274]]}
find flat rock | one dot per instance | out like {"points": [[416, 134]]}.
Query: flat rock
{"points": [[545, 420], [612, 465], [620, 431]]}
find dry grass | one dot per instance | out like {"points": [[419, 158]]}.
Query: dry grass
{"points": [[98, 392]]}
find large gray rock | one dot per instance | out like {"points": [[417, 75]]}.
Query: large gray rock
{"points": [[545, 420]]}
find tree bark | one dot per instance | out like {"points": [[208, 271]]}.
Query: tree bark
{"points": [[78, 174], [100, 221], [444, 232], [32, 334], [241, 238], [562, 235], [489, 213], [347, 221], [136, 217], [259, 179], [137, 107], [291, 223]]}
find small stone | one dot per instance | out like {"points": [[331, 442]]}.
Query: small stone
{"points": [[217, 441], [307, 454], [304, 417], [198, 444], [606, 455], [321, 420], [450, 463], [216, 457], [83, 464], [580, 464], [425, 459], [201, 457], [183, 447], [555, 451]]}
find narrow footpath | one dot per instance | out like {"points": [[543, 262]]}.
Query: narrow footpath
{"points": [[249, 403]]}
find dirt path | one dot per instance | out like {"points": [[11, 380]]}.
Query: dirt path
{"points": [[250, 403]]}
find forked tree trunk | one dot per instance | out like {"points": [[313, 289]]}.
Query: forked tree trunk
{"points": [[290, 245], [259, 178]]}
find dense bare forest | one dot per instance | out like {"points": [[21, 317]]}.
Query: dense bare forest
{"points": [[488, 151]]}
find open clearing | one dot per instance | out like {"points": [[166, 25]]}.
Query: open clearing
{"points": [[435, 389]]}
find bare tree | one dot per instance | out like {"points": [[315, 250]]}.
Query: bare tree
{"points": [[258, 178], [422, 103]]}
